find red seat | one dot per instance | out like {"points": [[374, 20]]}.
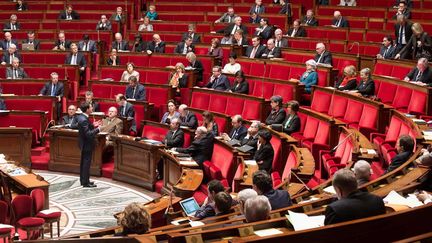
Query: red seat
{"points": [[417, 104], [321, 101], [38, 197], [221, 166], [332, 162], [22, 207], [154, 132], [338, 106], [291, 162], [5, 231]]}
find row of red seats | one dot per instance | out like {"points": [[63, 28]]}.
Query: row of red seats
{"points": [[36, 120]]}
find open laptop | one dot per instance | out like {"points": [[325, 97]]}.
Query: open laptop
{"points": [[190, 206], [28, 47]]}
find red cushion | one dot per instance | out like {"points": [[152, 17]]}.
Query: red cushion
{"points": [[49, 216], [30, 222], [5, 230]]}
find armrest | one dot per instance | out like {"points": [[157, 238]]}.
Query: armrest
{"points": [[367, 130], [375, 134], [390, 142], [340, 166]]}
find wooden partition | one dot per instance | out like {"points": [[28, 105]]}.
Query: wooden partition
{"points": [[21, 138]]}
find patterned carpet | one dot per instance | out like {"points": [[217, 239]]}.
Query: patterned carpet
{"points": [[88, 209]]}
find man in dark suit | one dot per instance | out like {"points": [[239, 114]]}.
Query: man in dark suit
{"points": [[309, 19], [421, 73], [297, 30], [7, 41], [87, 45], [263, 185], [21, 6], [265, 30], [238, 132], [403, 32], [257, 8], [77, 58], [185, 47], [404, 147], [119, 16], [196, 65], [54, 88], [126, 110], [218, 81], [388, 50], [15, 71], [402, 10], [272, 51], [31, 40], [352, 204], [196, 38], [70, 120], [232, 28], [87, 133], [227, 17], [10, 55], [239, 39], [157, 45], [119, 44], [104, 24], [175, 136], [201, 149], [89, 99], [12, 24], [68, 14], [135, 90], [251, 138], [339, 21], [187, 118], [61, 43], [256, 50], [279, 40], [323, 56]]}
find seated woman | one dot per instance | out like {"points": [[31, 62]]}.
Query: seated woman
{"points": [[171, 113], [349, 80], [215, 51], [292, 121], [310, 77], [129, 72], [277, 114], [366, 86], [151, 13], [264, 155], [240, 84], [178, 78], [146, 26], [113, 59], [210, 123], [232, 67], [139, 45], [135, 219]]}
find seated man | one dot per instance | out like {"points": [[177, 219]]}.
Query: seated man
{"points": [[185, 47], [256, 50], [156, 46], [339, 21], [272, 51], [70, 120], [113, 59], [262, 184], [103, 24], [362, 171], [7, 41], [388, 50], [227, 17], [10, 55], [323, 56], [279, 40], [112, 125], [196, 38], [223, 202], [245, 195], [297, 30], [404, 147], [421, 73], [87, 45], [239, 39], [257, 209], [68, 14], [238, 131], [352, 204], [257, 8], [135, 90], [265, 30], [54, 88], [232, 28], [207, 209], [309, 19], [127, 111], [119, 16], [119, 44], [61, 43], [15, 71], [89, 100], [251, 138], [201, 149], [187, 118], [218, 81], [31, 40], [175, 136], [12, 24]]}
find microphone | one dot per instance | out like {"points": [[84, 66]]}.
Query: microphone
{"points": [[301, 181], [341, 142], [46, 128], [358, 47]]}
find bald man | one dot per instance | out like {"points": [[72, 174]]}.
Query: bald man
{"points": [[112, 124], [70, 120], [61, 43], [119, 44]]}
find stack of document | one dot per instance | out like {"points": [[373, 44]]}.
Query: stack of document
{"points": [[301, 221], [396, 199], [427, 135]]}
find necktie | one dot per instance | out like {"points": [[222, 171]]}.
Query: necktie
{"points": [[73, 60], [385, 52], [16, 73], [11, 58], [308, 21], [277, 43], [53, 90], [185, 49], [234, 29], [400, 35], [85, 47], [7, 45], [118, 18], [293, 32], [133, 94], [118, 46], [419, 76], [338, 23], [252, 55]]}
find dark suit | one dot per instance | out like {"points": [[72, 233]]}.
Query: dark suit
{"points": [[128, 111], [265, 33], [181, 46], [309, 22], [411, 51], [35, 42], [199, 69], [356, 206], [80, 59], [238, 133], [19, 73], [2, 105], [4, 45], [122, 46], [301, 32], [189, 120], [285, 9], [326, 58], [221, 83], [175, 141], [258, 53], [91, 46], [229, 29], [350, 85], [47, 89], [342, 23], [276, 117], [71, 121], [265, 153], [251, 141], [291, 125], [21, 7], [73, 14], [201, 149], [140, 93], [388, 52], [66, 44], [160, 48], [110, 62], [406, 13], [7, 57], [398, 160], [366, 89], [241, 88], [86, 137], [121, 19], [257, 9], [95, 106], [195, 39], [283, 43], [8, 26], [278, 199], [425, 77], [244, 42], [275, 53], [101, 26], [406, 28], [139, 46]]}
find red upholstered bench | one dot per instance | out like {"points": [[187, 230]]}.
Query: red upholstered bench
{"points": [[332, 162]]}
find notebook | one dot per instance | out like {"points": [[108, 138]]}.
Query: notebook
{"points": [[28, 47]]}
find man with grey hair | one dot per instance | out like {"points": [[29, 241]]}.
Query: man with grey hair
{"points": [[227, 17], [12, 24], [119, 44], [232, 28], [257, 209], [7, 41], [251, 138], [15, 71], [201, 149], [70, 120], [245, 195], [238, 131], [112, 124], [352, 204], [421, 73], [339, 21], [272, 51], [10, 55], [362, 171], [187, 118], [279, 40], [323, 56]]}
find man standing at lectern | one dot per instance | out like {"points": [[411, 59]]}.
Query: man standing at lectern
{"points": [[87, 132]]}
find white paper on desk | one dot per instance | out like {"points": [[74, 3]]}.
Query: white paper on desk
{"points": [[188, 163], [3, 226], [17, 172], [330, 189], [196, 223], [267, 232], [309, 200], [301, 221], [250, 162], [151, 141], [49, 211], [2, 159], [394, 198], [371, 151]]}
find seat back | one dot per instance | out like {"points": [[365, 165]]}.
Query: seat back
{"points": [[154, 132], [22, 206], [277, 147], [3, 212], [394, 129], [38, 197]]}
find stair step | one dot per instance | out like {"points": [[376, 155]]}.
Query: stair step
{"points": [[108, 169], [38, 151]]}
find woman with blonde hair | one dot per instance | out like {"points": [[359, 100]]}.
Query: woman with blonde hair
{"points": [[349, 80], [178, 78], [418, 46]]}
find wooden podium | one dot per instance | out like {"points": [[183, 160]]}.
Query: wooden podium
{"points": [[65, 155], [16, 144]]}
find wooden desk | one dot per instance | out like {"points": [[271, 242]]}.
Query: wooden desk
{"points": [[65, 154], [135, 162], [16, 144]]}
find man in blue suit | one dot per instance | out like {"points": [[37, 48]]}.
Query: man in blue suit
{"points": [[218, 81], [135, 90], [54, 88], [238, 131], [263, 185]]}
